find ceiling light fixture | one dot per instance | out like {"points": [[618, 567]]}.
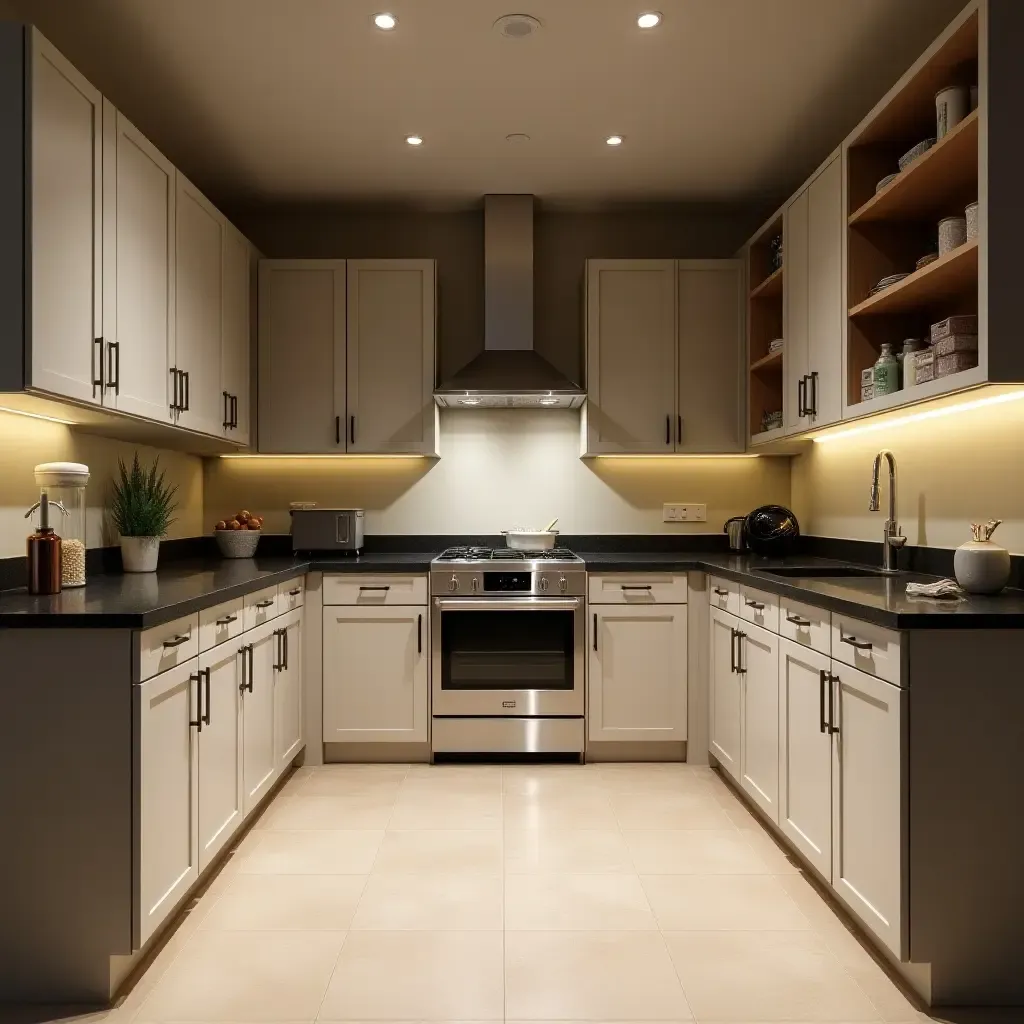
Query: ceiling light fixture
{"points": [[614, 140], [649, 19], [469, 401], [550, 400], [517, 26], [385, 21], [414, 140]]}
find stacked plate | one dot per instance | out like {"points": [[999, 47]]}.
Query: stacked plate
{"points": [[888, 282]]}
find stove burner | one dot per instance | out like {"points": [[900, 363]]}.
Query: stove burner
{"points": [[465, 553]]}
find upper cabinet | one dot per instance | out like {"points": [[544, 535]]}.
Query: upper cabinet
{"points": [[664, 341], [346, 357], [238, 267]]}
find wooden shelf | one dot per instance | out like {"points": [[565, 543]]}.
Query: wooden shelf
{"points": [[951, 274], [948, 168], [770, 286], [773, 359]]}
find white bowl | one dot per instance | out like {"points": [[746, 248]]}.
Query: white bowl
{"points": [[530, 540], [237, 543]]}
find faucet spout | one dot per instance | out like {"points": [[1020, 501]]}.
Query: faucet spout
{"points": [[892, 538]]}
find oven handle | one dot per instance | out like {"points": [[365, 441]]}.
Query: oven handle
{"points": [[507, 604]]}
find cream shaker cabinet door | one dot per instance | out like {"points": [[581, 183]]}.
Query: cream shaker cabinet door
{"points": [[637, 677], [288, 738], [376, 684], [236, 389], [631, 356], [710, 383], [758, 662], [199, 291], [68, 351], [868, 811], [138, 274], [805, 753], [726, 692], [301, 325], [220, 750], [259, 764], [391, 340], [168, 848], [795, 327], [824, 295]]}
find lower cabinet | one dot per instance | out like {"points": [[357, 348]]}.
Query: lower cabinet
{"points": [[288, 689], [637, 677], [376, 682], [757, 658], [725, 693], [259, 762]]}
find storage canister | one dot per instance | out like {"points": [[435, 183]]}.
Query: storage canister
{"points": [[971, 216], [910, 346], [887, 372], [952, 233], [951, 107], [65, 482]]}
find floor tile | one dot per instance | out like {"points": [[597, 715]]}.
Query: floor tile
{"points": [[779, 860], [693, 852], [546, 902], [286, 903], [342, 783], [591, 976], [669, 811], [590, 851], [246, 976], [417, 976], [722, 903], [448, 851], [430, 902], [349, 852], [319, 812], [446, 810], [654, 778], [765, 976], [558, 811]]}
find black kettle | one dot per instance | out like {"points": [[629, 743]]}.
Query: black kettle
{"points": [[772, 531]]}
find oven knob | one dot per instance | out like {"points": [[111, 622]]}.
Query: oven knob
{"points": [[563, 584], [453, 583], [543, 583]]}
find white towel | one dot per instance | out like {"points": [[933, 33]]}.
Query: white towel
{"points": [[941, 588]]}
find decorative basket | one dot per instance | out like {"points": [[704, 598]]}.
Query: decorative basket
{"points": [[237, 543]]}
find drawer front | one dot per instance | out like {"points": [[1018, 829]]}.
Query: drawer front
{"points": [[167, 646], [867, 647], [220, 623], [760, 608], [805, 624], [364, 589], [724, 594], [291, 595], [260, 607], [637, 588]]}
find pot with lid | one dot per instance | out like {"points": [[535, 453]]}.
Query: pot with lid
{"points": [[772, 531]]}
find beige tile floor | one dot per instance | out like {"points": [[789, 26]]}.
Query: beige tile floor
{"points": [[628, 893]]}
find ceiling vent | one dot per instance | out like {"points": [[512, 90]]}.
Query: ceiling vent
{"points": [[517, 26]]}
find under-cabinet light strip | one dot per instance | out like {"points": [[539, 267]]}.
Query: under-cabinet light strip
{"points": [[37, 416]]}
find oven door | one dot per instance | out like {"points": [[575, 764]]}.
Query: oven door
{"points": [[517, 656]]}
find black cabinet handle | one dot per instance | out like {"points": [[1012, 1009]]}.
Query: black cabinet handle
{"points": [[227, 411], [178, 640], [114, 366], [198, 723], [634, 586], [206, 713], [186, 405], [247, 667], [337, 430], [265, 604], [376, 588], [234, 412], [861, 645], [824, 678], [756, 605], [174, 389], [832, 727], [352, 429], [282, 656], [739, 652], [226, 621], [286, 652], [797, 621], [813, 378], [679, 429], [97, 382], [295, 592], [668, 430], [720, 592], [419, 633], [801, 397], [595, 631]]}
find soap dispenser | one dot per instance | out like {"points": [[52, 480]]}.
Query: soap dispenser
{"points": [[44, 555]]}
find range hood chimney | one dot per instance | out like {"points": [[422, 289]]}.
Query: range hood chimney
{"points": [[508, 374]]}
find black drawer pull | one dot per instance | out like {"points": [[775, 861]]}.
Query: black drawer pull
{"points": [[419, 633], [227, 620], [861, 645], [825, 679], [376, 588], [198, 723], [797, 621], [206, 714], [295, 592], [636, 586], [265, 604], [178, 640], [595, 631], [721, 593], [756, 605]]}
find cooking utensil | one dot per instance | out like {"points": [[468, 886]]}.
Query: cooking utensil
{"points": [[551, 525]]}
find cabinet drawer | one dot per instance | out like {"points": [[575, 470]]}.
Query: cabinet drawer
{"points": [[260, 607], [291, 595], [219, 623], [760, 608], [361, 589], [169, 645], [805, 624], [724, 594], [638, 588], [872, 649]]}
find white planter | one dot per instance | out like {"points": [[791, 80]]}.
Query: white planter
{"points": [[140, 554]]}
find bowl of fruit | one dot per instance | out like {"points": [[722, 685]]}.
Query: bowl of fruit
{"points": [[238, 536]]}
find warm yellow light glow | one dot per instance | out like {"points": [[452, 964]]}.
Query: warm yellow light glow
{"points": [[888, 423], [677, 458], [37, 416], [305, 458]]}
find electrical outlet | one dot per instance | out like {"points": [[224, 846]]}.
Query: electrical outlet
{"points": [[688, 513]]}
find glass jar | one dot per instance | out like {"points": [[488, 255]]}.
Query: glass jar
{"points": [[886, 372], [909, 345], [65, 482]]}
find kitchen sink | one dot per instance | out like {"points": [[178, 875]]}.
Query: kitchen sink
{"points": [[824, 571]]}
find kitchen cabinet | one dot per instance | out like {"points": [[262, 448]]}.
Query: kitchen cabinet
{"points": [[757, 658], [219, 740], [725, 692], [805, 753], [631, 310], [637, 673], [166, 713], [237, 292], [376, 685], [795, 329], [390, 355], [259, 760], [288, 688]]}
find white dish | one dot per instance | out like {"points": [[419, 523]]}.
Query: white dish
{"points": [[530, 540]]}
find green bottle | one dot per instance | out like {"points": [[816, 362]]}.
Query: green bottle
{"points": [[887, 372]]}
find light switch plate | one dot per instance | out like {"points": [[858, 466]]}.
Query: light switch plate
{"points": [[685, 513]]}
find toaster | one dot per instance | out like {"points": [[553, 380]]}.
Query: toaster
{"points": [[328, 529]]}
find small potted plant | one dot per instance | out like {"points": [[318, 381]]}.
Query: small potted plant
{"points": [[141, 508]]}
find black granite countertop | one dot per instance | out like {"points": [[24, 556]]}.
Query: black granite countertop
{"points": [[180, 588]]}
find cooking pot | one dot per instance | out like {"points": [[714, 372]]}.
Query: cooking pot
{"points": [[736, 528], [772, 530]]}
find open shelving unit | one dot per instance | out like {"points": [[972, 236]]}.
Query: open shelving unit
{"points": [[888, 230], [765, 306]]}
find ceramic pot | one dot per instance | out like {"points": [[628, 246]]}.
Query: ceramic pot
{"points": [[981, 567], [140, 554]]}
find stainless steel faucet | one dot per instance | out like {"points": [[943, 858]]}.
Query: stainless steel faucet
{"points": [[892, 538]]}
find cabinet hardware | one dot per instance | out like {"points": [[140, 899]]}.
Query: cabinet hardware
{"points": [[243, 686], [234, 412], [823, 679], [227, 411], [114, 366], [801, 397], [595, 631], [797, 621], [279, 663], [861, 645], [739, 652], [756, 605], [265, 604], [226, 621], [732, 650], [352, 429], [198, 723], [721, 593], [179, 639], [832, 728], [97, 383], [206, 713], [679, 429], [295, 592], [668, 430], [286, 652], [174, 389], [635, 586], [376, 588], [337, 430], [185, 405], [813, 378], [419, 633]]}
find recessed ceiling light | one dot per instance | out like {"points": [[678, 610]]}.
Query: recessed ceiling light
{"points": [[385, 21], [517, 26], [414, 140], [650, 19], [614, 140], [469, 401]]}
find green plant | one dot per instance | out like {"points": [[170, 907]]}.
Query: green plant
{"points": [[142, 502]]}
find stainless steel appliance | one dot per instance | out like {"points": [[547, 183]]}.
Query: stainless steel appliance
{"points": [[736, 528], [508, 634], [327, 529]]}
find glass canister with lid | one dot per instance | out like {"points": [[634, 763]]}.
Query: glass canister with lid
{"points": [[65, 482]]}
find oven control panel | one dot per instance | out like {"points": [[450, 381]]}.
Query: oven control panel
{"points": [[507, 583]]}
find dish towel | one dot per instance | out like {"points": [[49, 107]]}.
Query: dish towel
{"points": [[941, 588]]}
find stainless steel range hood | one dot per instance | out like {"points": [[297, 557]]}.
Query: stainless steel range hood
{"points": [[508, 374]]}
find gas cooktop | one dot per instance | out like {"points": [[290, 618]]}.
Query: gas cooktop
{"points": [[482, 554]]}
